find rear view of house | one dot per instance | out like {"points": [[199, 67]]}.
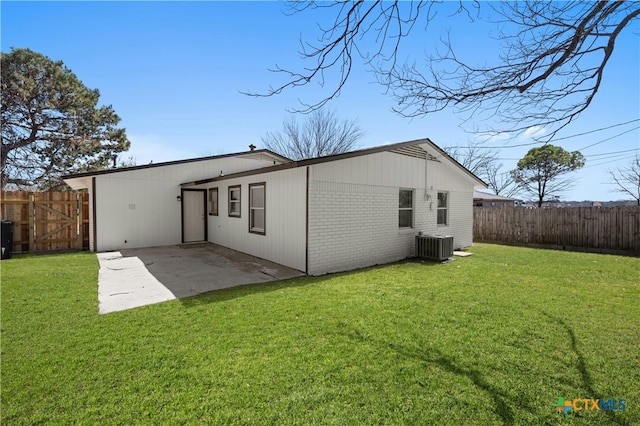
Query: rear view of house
{"points": [[320, 215]]}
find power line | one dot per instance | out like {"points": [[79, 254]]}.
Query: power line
{"points": [[560, 139], [607, 161], [615, 152], [495, 147], [597, 130], [608, 139]]}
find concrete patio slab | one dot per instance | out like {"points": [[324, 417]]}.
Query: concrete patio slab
{"points": [[138, 277], [462, 253], [125, 283]]}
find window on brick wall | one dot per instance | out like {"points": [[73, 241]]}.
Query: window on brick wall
{"points": [[213, 201], [257, 208], [443, 208], [405, 214], [234, 201]]}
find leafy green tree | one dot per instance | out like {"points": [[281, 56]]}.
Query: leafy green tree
{"points": [[540, 171], [51, 124]]}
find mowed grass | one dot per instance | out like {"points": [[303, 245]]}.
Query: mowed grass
{"points": [[494, 338]]}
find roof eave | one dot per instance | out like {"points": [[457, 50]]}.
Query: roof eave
{"points": [[342, 156], [176, 162], [269, 169]]}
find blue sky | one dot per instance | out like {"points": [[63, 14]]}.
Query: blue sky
{"points": [[174, 73]]}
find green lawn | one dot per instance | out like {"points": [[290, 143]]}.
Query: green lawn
{"points": [[495, 338]]}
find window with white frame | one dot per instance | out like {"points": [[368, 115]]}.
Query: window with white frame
{"points": [[234, 201], [405, 215], [257, 208], [213, 201], [443, 208]]}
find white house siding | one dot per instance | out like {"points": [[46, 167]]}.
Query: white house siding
{"points": [[352, 226], [92, 243], [353, 209], [285, 223], [460, 215], [139, 208], [460, 219]]}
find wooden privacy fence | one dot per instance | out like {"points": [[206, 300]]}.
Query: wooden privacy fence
{"points": [[47, 221], [598, 229]]}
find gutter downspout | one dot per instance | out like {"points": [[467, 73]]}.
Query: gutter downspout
{"points": [[95, 215], [306, 225]]}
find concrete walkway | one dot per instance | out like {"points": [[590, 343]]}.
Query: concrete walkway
{"points": [[125, 283], [137, 277]]}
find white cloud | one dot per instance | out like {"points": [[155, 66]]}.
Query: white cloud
{"points": [[532, 132]]}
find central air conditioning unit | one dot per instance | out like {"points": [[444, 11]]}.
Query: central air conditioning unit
{"points": [[437, 247]]}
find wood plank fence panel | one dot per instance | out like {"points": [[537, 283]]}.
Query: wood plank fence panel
{"points": [[47, 221], [600, 229]]}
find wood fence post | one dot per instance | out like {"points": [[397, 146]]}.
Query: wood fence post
{"points": [[79, 220], [32, 223]]}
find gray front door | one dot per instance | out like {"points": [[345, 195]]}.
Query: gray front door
{"points": [[194, 222]]}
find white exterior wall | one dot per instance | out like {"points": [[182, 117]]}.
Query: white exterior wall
{"points": [[92, 243], [139, 208], [352, 226], [284, 241], [460, 189], [353, 209], [460, 219]]}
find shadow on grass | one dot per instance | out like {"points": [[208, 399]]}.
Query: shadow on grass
{"points": [[581, 366], [433, 356], [430, 356], [244, 290], [231, 293]]}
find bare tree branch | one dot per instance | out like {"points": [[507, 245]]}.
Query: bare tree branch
{"points": [[502, 183], [322, 133], [550, 68], [627, 179], [474, 157], [554, 56]]}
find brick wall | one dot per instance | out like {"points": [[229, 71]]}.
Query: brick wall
{"points": [[354, 225], [460, 224]]}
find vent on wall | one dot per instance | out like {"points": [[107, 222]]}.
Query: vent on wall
{"points": [[437, 247], [416, 152]]}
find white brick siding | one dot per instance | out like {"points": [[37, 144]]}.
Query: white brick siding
{"points": [[460, 225], [353, 226]]}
